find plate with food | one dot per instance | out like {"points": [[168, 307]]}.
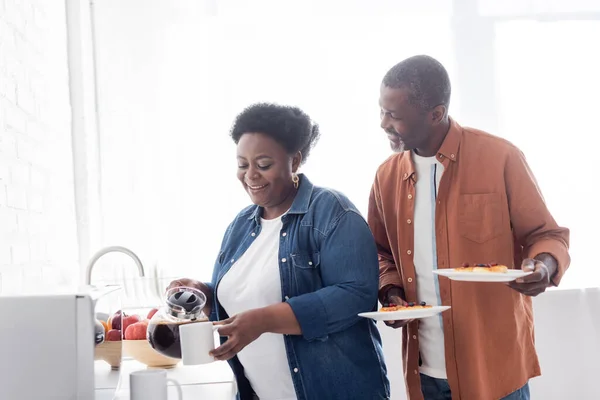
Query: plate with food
{"points": [[482, 273], [393, 312]]}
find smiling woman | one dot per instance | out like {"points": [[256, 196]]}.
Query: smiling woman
{"points": [[286, 264], [272, 143]]}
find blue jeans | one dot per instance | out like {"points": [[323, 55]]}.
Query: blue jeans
{"points": [[438, 389]]}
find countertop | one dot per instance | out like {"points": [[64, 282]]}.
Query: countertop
{"points": [[213, 381]]}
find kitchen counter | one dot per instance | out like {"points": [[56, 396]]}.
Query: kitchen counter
{"points": [[213, 381]]}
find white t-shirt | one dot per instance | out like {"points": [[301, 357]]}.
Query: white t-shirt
{"points": [[254, 281], [431, 334]]}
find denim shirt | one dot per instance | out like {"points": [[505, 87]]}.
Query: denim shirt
{"points": [[329, 274]]}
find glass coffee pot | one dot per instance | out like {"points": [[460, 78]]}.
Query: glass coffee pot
{"points": [[183, 305]]}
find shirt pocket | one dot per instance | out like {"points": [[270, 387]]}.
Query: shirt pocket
{"points": [[306, 272], [306, 260], [480, 216]]}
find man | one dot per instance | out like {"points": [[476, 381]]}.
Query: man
{"points": [[452, 195]]}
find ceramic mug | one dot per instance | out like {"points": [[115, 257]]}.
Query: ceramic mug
{"points": [[197, 340], [151, 384]]}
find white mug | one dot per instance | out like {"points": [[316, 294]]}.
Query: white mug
{"points": [[151, 384], [197, 340]]}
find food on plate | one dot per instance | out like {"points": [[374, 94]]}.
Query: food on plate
{"points": [[493, 267], [408, 306], [137, 331]]}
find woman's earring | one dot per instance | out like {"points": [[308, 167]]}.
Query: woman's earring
{"points": [[296, 180]]}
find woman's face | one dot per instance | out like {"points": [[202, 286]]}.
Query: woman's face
{"points": [[265, 170]]}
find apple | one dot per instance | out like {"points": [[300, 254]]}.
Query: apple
{"points": [[116, 320], [136, 331], [151, 313], [128, 320], [114, 335]]}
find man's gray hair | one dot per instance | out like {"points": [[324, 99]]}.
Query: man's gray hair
{"points": [[426, 79]]}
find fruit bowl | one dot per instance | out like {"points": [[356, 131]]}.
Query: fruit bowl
{"points": [[141, 351], [111, 352]]}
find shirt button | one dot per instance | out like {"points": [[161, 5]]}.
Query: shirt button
{"points": [[405, 175], [451, 155], [253, 234], [310, 263], [295, 370], [408, 221], [441, 156], [416, 372], [414, 336], [284, 234], [410, 196], [409, 279], [232, 260], [287, 297], [408, 252], [283, 260]]}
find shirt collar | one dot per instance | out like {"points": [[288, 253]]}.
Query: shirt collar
{"points": [[448, 150], [301, 202]]}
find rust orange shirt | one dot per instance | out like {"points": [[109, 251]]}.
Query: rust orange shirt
{"points": [[489, 209]]}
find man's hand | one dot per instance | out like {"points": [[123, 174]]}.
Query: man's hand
{"points": [[542, 269], [395, 296], [241, 330]]}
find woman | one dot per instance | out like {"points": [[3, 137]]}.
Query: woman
{"points": [[293, 272]]}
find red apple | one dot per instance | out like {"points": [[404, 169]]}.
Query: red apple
{"points": [[152, 312], [116, 320], [136, 331], [114, 335], [128, 320]]}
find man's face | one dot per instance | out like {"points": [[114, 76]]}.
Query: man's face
{"points": [[405, 124]]}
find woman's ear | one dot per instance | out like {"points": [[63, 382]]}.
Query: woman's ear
{"points": [[296, 161]]}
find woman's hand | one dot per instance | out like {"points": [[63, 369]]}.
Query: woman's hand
{"points": [[241, 330], [196, 285]]}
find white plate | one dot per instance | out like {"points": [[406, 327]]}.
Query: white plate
{"points": [[404, 314], [509, 276]]}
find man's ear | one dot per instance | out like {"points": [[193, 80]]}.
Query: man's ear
{"points": [[438, 114]]}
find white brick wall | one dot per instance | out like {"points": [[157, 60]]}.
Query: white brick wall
{"points": [[37, 218]]}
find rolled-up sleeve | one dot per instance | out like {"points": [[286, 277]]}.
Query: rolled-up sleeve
{"points": [[349, 272], [388, 273], [534, 227]]}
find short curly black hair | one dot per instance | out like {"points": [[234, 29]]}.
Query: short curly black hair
{"points": [[289, 126]]}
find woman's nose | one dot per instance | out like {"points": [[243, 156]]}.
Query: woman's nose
{"points": [[253, 172]]}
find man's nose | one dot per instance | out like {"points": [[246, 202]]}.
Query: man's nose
{"points": [[385, 122]]}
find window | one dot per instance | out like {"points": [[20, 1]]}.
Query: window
{"points": [[547, 85]]}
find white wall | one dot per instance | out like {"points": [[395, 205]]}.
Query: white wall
{"points": [[37, 220]]}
